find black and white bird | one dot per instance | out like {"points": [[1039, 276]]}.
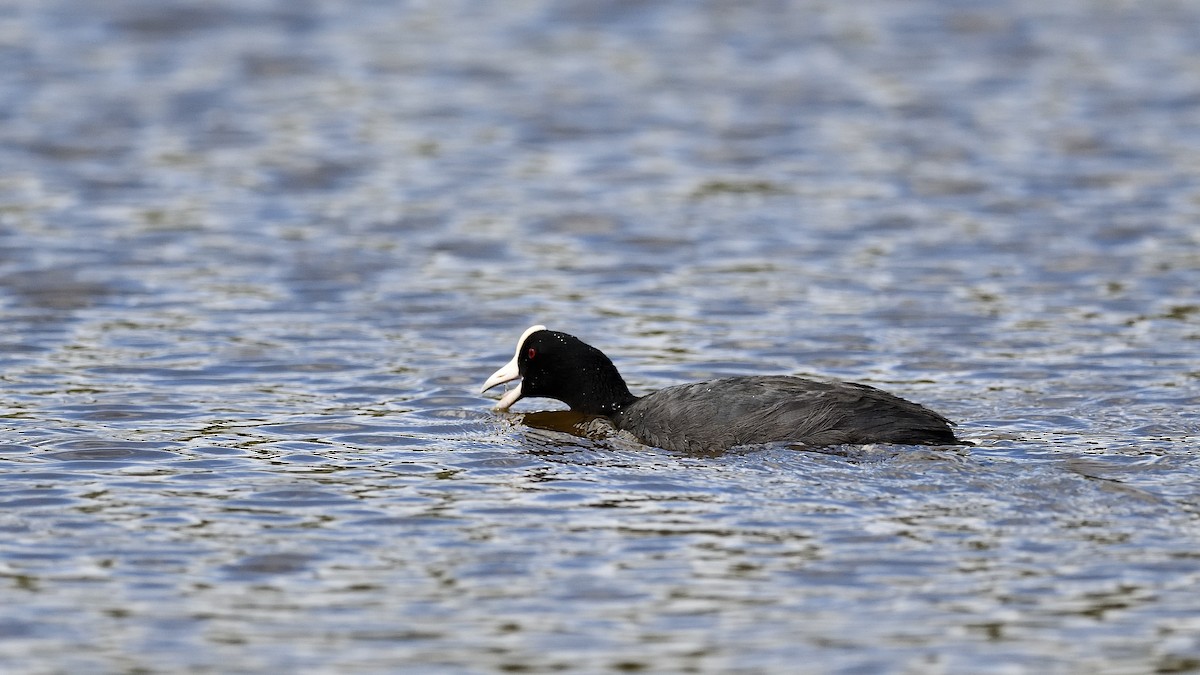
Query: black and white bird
{"points": [[715, 414]]}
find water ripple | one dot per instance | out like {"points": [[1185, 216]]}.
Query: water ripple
{"points": [[256, 259]]}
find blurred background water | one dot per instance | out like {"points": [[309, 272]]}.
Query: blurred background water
{"points": [[256, 257]]}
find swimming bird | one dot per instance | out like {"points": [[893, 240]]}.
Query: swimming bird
{"points": [[716, 414]]}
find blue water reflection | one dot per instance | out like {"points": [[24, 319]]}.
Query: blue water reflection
{"points": [[256, 259]]}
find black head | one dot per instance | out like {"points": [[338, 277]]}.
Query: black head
{"points": [[563, 367]]}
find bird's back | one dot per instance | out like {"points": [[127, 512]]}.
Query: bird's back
{"points": [[718, 414]]}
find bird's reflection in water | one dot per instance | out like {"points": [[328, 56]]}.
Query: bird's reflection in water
{"points": [[570, 430], [567, 429], [568, 422]]}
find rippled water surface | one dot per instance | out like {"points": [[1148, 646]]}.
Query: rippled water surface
{"points": [[256, 258]]}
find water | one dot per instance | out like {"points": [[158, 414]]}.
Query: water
{"points": [[256, 258]]}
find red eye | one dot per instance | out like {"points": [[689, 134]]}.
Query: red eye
{"points": [[531, 353]]}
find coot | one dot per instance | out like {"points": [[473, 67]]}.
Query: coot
{"points": [[716, 414]]}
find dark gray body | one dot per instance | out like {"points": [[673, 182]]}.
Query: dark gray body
{"points": [[718, 414]]}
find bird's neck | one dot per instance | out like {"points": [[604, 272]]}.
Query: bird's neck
{"points": [[603, 392]]}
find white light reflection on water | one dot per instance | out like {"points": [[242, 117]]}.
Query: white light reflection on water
{"points": [[256, 258]]}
